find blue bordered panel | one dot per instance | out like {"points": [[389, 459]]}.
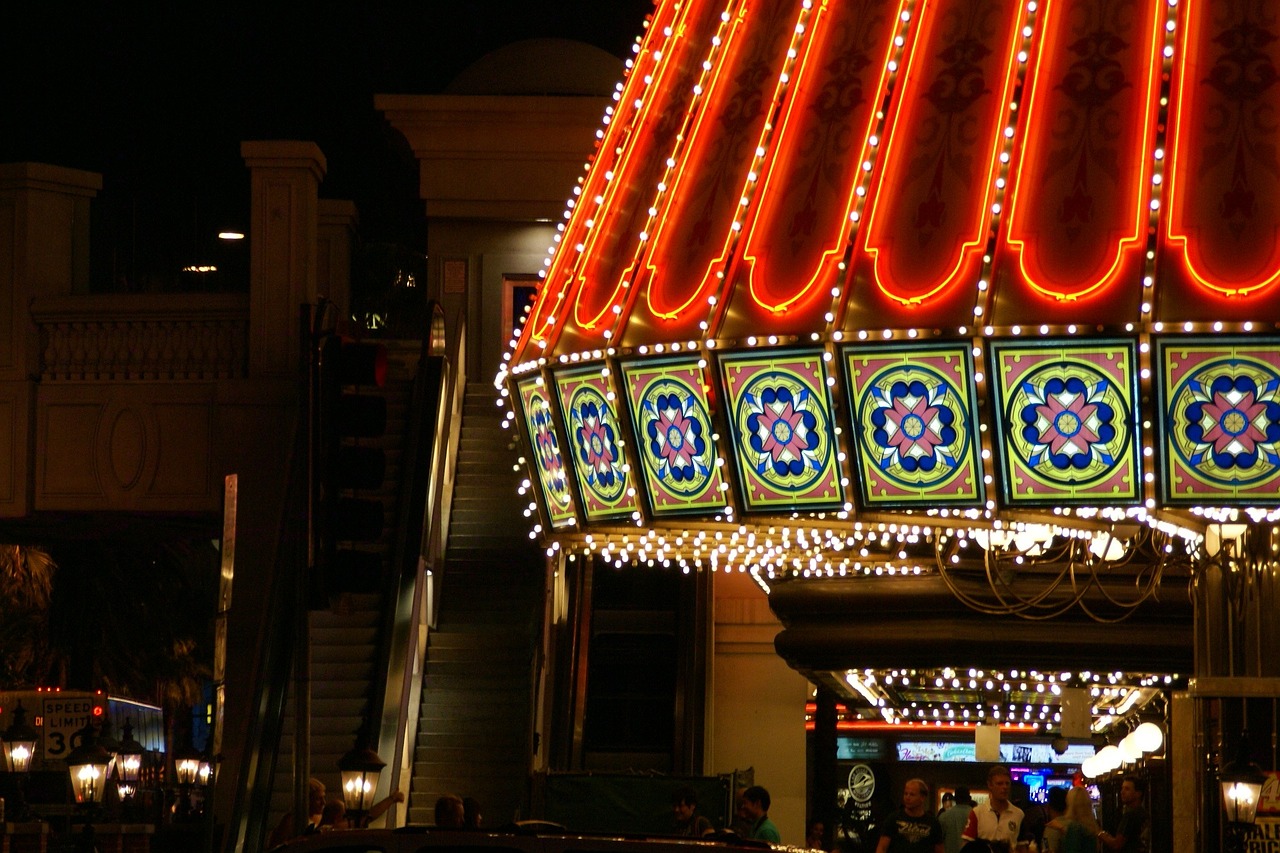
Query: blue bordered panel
{"points": [[1067, 421], [1219, 422], [913, 409], [783, 434]]}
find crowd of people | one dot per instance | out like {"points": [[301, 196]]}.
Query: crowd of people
{"points": [[1066, 824], [326, 814]]}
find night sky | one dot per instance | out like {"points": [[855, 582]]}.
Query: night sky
{"points": [[157, 97]]}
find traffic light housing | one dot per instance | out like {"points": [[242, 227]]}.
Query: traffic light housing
{"points": [[351, 418]]}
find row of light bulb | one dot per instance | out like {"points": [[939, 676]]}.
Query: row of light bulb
{"points": [[1144, 740]]}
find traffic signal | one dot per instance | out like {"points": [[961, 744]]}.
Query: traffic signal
{"points": [[352, 420]]}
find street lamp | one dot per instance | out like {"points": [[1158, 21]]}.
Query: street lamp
{"points": [[18, 742], [1242, 782], [129, 756], [360, 768], [186, 767], [88, 764]]}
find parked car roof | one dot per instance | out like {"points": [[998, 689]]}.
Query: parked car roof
{"points": [[542, 838]]}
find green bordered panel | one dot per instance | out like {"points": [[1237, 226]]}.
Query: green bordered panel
{"points": [[547, 457], [1067, 423], [1219, 438], [783, 435], [673, 435], [595, 442], [913, 410]]}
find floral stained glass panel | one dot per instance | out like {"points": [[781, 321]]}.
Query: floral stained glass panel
{"points": [[673, 435], [782, 431], [596, 443], [913, 415], [1220, 420], [1067, 423], [548, 459]]}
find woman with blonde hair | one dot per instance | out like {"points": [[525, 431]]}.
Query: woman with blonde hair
{"points": [[1082, 830]]}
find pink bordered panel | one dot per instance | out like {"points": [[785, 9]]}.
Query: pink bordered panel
{"points": [[914, 411], [920, 250], [671, 424], [1072, 246], [783, 432], [548, 460], [1067, 421], [1219, 257], [595, 441], [1219, 420]]}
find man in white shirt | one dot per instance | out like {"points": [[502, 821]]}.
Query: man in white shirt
{"points": [[997, 820]]}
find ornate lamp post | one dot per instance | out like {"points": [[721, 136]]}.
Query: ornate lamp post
{"points": [[128, 764], [360, 768], [88, 765], [19, 746], [1241, 781], [186, 766]]}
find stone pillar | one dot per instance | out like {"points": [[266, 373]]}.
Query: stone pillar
{"points": [[757, 706], [44, 251], [336, 234], [285, 184]]}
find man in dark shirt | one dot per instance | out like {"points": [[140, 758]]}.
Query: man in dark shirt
{"points": [[912, 828], [1130, 832]]}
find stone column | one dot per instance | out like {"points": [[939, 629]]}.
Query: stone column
{"points": [[44, 251], [285, 182], [336, 234]]}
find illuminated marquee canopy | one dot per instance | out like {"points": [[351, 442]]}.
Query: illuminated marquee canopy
{"points": [[868, 285]]}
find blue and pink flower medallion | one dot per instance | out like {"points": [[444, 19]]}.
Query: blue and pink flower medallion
{"points": [[546, 451], [596, 439], [782, 430], [913, 413], [673, 432], [1221, 421], [1068, 428]]}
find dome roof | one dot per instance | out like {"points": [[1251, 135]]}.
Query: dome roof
{"points": [[545, 66]]}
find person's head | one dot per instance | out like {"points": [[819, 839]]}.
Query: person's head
{"points": [[1132, 790], [915, 796], [315, 796], [334, 815], [1080, 807], [998, 783], [450, 813], [471, 812], [963, 797], [684, 800], [948, 800], [814, 832], [1057, 800], [755, 802]]}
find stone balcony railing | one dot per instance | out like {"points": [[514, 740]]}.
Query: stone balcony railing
{"points": [[112, 338]]}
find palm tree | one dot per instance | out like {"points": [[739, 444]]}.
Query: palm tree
{"points": [[26, 587], [132, 617]]}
